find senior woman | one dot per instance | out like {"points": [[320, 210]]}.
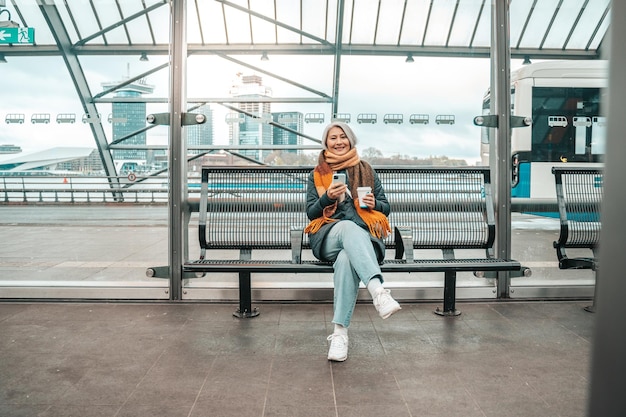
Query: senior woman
{"points": [[343, 232]]}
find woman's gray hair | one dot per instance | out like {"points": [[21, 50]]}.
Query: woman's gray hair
{"points": [[346, 129]]}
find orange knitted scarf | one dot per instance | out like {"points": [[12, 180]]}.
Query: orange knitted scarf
{"points": [[360, 174]]}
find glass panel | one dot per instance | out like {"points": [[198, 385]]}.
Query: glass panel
{"points": [[561, 120], [262, 30], [389, 22], [287, 12], [465, 22], [67, 16], [519, 11], [91, 218], [538, 23], [314, 20], [238, 25], [85, 20], [211, 18], [139, 31], [363, 19], [414, 23], [440, 20], [157, 16], [584, 30], [563, 24], [483, 31], [32, 18]]}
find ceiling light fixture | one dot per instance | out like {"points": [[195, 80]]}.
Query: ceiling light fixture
{"points": [[409, 58], [143, 57], [264, 57], [526, 60], [3, 60]]}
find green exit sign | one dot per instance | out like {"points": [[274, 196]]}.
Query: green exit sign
{"points": [[17, 35]]}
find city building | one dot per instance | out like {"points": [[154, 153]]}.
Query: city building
{"points": [[128, 119], [252, 130], [292, 120], [199, 135]]}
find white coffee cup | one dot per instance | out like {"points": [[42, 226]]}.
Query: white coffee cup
{"points": [[362, 192]]}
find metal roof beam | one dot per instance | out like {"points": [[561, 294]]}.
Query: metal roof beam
{"points": [[278, 77], [216, 100], [64, 44], [130, 80], [275, 22], [357, 50], [120, 23], [338, 50]]}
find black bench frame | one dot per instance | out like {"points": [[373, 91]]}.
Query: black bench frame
{"points": [[434, 201], [579, 193]]}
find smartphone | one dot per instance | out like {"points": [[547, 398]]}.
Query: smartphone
{"points": [[339, 178]]}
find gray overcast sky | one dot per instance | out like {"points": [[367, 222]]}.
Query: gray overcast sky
{"points": [[377, 85]]}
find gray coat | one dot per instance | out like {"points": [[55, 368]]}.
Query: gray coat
{"points": [[345, 211]]}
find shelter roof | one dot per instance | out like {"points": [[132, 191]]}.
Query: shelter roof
{"points": [[539, 29]]}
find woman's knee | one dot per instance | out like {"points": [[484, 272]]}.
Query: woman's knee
{"points": [[349, 229], [342, 260]]}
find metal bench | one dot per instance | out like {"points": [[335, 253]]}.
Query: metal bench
{"points": [[579, 192], [252, 208]]}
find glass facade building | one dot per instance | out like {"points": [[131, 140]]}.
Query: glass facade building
{"points": [[128, 121], [293, 121], [200, 135], [255, 129]]}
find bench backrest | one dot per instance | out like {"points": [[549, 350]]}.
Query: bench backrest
{"points": [[579, 192], [256, 207]]}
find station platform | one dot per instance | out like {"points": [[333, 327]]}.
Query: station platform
{"points": [[194, 359]]}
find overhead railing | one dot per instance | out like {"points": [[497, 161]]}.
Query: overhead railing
{"points": [[238, 118]]}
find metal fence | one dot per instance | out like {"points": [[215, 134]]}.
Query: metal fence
{"points": [[88, 189]]}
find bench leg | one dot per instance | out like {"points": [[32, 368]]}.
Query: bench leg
{"points": [[245, 310], [449, 296], [592, 307]]}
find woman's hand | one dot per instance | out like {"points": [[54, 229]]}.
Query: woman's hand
{"points": [[369, 200], [336, 190]]}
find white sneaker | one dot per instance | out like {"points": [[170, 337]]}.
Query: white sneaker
{"points": [[338, 351], [385, 304]]}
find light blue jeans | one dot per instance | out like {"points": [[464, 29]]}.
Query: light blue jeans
{"points": [[350, 248]]}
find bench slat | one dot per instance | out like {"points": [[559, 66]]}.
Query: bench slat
{"points": [[579, 193], [422, 265]]}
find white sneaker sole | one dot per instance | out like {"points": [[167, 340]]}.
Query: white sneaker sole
{"points": [[389, 313]]}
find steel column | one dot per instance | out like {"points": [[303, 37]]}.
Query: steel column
{"points": [[177, 208], [500, 149], [338, 53]]}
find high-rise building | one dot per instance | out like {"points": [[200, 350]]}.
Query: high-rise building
{"points": [[128, 119], [293, 120], [198, 135], [256, 130]]}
